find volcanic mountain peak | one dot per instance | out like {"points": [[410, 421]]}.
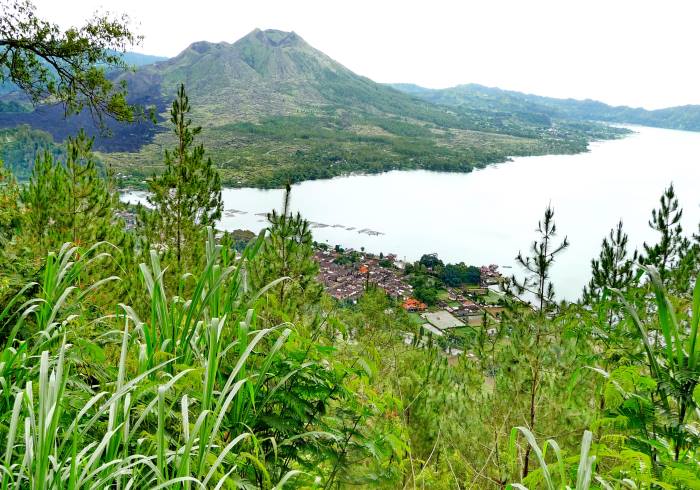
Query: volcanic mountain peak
{"points": [[274, 38]]}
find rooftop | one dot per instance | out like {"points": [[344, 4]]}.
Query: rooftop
{"points": [[442, 319]]}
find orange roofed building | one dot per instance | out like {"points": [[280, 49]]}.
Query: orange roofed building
{"points": [[412, 304]]}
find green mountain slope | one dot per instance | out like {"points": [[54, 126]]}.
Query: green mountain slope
{"points": [[276, 109], [474, 96]]}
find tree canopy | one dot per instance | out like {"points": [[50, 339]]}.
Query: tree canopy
{"points": [[67, 66]]}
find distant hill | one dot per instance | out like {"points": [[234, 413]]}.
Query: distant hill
{"points": [[130, 58], [276, 109], [475, 96], [140, 59]]}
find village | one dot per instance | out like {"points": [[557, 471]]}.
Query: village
{"points": [[346, 274], [346, 279]]}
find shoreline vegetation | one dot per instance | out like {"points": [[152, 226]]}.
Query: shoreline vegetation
{"points": [[22, 144], [265, 164], [278, 178]]}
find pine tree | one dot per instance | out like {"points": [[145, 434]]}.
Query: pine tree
{"points": [[538, 265], [188, 194], [287, 252], [672, 246], [40, 198], [14, 266], [613, 268], [533, 335], [89, 201], [71, 201]]}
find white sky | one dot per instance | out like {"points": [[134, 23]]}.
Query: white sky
{"points": [[632, 52]]}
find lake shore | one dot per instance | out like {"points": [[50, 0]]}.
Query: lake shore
{"points": [[456, 216]]}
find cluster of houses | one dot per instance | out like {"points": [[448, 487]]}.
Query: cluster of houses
{"points": [[448, 318], [347, 281], [459, 312], [470, 306]]}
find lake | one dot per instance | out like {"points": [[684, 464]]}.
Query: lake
{"points": [[487, 216]]}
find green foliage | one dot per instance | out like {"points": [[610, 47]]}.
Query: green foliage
{"points": [[69, 66], [238, 239], [657, 406], [287, 258], [431, 261], [584, 472], [425, 288], [188, 194], [69, 201], [10, 214], [196, 392], [534, 336], [537, 266], [430, 274], [21, 146], [426, 294], [12, 219], [673, 250], [238, 372], [461, 274], [613, 269]]}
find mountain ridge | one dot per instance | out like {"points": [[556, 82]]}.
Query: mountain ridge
{"points": [[684, 117]]}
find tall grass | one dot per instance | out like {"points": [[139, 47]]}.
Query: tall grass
{"points": [[562, 479], [147, 424], [36, 324]]}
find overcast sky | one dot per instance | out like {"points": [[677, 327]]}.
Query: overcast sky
{"points": [[632, 52]]}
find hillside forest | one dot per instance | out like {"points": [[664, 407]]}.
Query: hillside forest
{"points": [[168, 354]]}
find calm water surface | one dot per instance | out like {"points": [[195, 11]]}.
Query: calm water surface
{"points": [[487, 216]]}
